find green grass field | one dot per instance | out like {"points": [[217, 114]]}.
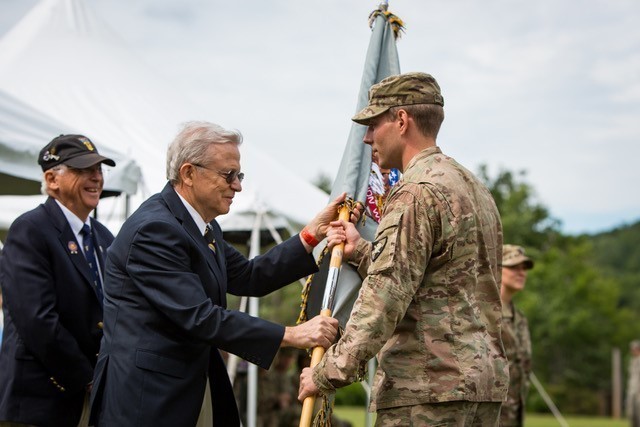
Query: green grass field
{"points": [[356, 415]]}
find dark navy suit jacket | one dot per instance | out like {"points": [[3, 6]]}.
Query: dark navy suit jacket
{"points": [[166, 318], [53, 319]]}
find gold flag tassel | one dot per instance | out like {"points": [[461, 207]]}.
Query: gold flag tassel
{"points": [[397, 24], [323, 417]]}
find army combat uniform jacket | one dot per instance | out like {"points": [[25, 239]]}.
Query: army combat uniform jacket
{"points": [[517, 344], [430, 302]]}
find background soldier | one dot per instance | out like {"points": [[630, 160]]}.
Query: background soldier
{"points": [[515, 335]]}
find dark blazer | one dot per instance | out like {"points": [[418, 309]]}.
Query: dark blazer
{"points": [[52, 319], [166, 318]]}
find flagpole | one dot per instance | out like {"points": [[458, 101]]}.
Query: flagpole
{"points": [[353, 174], [327, 307]]}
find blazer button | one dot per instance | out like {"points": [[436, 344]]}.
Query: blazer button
{"points": [[100, 325]]}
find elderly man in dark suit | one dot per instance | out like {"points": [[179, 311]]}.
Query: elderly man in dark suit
{"points": [[167, 276], [50, 275]]}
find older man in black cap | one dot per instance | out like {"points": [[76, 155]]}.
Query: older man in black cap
{"points": [[50, 273]]}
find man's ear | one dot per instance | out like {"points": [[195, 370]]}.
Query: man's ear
{"points": [[51, 179], [402, 119], [186, 174]]}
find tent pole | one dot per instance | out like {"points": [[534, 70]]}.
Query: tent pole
{"points": [[252, 377]]}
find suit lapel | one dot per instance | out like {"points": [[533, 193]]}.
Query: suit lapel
{"points": [[180, 212], [69, 242]]}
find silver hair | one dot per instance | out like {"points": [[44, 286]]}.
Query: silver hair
{"points": [[192, 142], [60, 170]]}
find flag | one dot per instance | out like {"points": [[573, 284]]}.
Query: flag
{"points": [[355, 173]]}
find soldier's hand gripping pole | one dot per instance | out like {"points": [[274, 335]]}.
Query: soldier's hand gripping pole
{"points": [[327, 308]]}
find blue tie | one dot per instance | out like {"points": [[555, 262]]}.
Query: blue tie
{"points": [[90, 255]]}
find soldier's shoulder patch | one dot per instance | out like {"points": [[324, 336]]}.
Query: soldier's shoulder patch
{"points": [[377, 248]]}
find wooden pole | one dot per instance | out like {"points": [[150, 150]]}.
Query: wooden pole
{"points": [[616, 383], [327, 307]]}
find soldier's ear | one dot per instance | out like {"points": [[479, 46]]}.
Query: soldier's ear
{"points": [[402, 120]]}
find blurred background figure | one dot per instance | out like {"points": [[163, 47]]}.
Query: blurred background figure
{"points": [[278, 405], [633, 385], [515, 334]]}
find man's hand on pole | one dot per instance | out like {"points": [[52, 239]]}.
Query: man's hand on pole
{"points": [[320, 331], [317, 228], [307, 386]]}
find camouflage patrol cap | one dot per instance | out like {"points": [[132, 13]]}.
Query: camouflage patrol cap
{"points": [[513, 255], [401, 89]]}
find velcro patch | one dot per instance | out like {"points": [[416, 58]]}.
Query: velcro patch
{"points": [[377, 248]]}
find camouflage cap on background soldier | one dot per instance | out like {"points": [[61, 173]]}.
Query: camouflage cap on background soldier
{"points": [[513, 255], [402, 89]]}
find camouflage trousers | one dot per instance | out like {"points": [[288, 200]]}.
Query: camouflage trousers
{"points": [[449, 414], [511, 415]]}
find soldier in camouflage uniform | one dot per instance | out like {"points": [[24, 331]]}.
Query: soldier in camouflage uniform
{"points": [[515, 335], [429, 305]]}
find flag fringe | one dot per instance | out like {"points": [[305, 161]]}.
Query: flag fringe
{"points": [[325, 413]]}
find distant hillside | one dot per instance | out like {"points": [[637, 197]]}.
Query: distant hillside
{"points": [[617, 254], [619, 249]]}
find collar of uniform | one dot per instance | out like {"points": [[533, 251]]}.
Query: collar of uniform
{"points": [[508, 310], [421, 155]]}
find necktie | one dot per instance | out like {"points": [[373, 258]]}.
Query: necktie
{"points": [[211, 241], [90, 255]]}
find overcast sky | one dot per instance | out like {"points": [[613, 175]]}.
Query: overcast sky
{"points": [[550, 87]]}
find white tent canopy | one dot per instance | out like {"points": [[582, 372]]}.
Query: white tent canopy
{"points": [[23, 133], [61, 59]]}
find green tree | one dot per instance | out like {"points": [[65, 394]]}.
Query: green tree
{"points": [[525, 221], [575, 321]]}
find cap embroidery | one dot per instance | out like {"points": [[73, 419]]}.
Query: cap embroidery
{"points": [[49, 155], [87, 144]]}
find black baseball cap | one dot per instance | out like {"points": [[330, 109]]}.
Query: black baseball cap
{"points": [[76, 151]]}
